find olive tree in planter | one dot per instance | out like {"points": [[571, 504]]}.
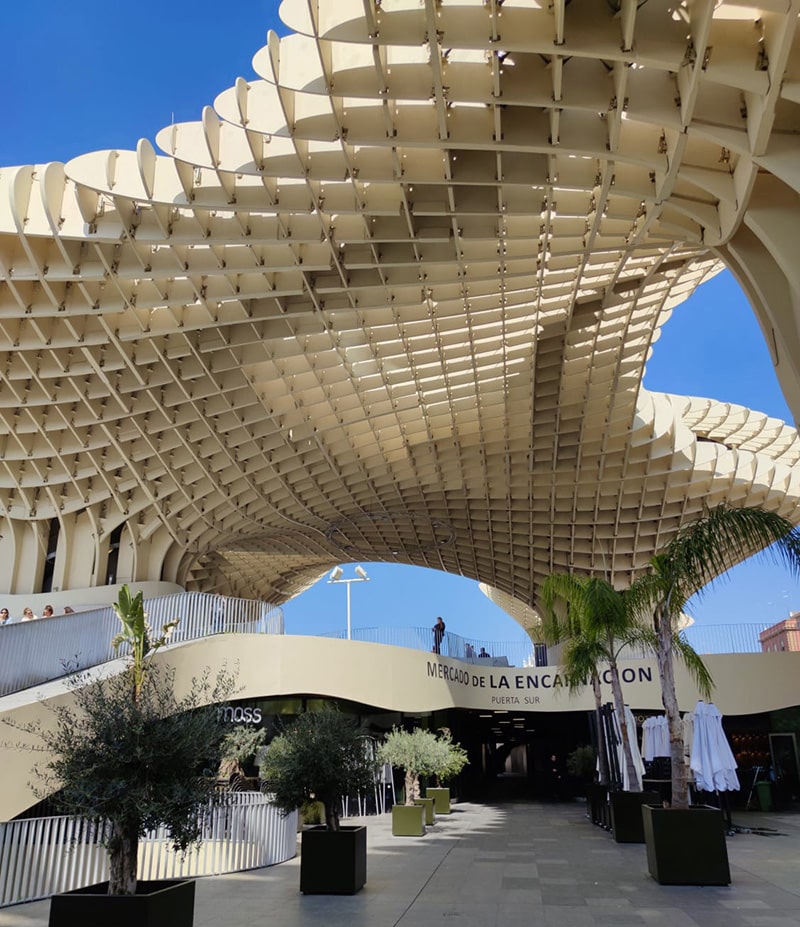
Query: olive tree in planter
{"points": [[453, 760], [684, 845], [129, 753], [240, 745], [418, 753], [322, 756]]}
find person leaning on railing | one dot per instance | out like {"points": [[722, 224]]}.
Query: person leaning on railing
{"points": [[4, 616]]}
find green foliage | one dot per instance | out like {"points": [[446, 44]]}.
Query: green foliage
{"points": [[700, 553], [422, 753], [128, 750], [137, 634], [590, 617], [312, 812], [418, 751], [581, 763], [321, 756], [242, 742], [595, 622], [454, 761], [134, 761]]}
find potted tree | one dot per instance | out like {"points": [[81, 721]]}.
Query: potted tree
{"points": [[129, 753], [321, 756], [453, 760], [686, 845], [418, 753], [595, 623]]}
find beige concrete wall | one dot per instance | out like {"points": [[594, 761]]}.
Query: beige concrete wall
{"points": [[397, 679]]}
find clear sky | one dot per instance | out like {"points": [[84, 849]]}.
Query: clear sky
{"points": [[81, 75]]}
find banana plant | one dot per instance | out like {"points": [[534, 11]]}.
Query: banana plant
{"points": [[136, 633]]}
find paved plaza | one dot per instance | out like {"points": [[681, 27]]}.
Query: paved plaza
{"points": [[510, 864]]}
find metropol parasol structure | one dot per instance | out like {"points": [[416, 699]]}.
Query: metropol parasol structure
{"points": [[393, 301]]}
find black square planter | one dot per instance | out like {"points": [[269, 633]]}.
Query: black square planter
{"points": [[597, 806], [163, 903], [626, 815], [333, 862], [686, 846]]}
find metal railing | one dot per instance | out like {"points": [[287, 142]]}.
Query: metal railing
{"points": [[36, 652], [725, 638], [708, 639], [40, 857], [40, 651], [518, 653]]}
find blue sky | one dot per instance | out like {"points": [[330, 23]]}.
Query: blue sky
{"points": [[80, 76]]}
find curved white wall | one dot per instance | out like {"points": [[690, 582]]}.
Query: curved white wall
{"points": [[396, 679]]}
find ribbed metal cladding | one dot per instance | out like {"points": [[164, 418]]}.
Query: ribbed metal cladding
{"points": [[40, 857]]}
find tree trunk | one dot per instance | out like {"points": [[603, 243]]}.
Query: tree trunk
{"points": [[331, 815], [634, 781], [601, 734], [123, 851], [412, 786], [669, 698]]}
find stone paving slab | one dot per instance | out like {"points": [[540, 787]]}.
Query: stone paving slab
{"points": [[509, 865]]}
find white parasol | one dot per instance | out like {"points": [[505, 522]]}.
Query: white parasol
{"points": [[630, 721], [655, 737], [712, 760]]}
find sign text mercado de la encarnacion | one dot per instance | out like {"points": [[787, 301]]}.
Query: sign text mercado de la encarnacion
{"points": [[506, 684]]}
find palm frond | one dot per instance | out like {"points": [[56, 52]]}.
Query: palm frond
{"points": [[723, 536], [579, 661], [693, 662]]}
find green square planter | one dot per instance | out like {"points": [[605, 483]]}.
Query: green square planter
{"points": [[626, 815], [441, 800], [430, 811], [163, 903], [333, 862], [408, 821], [686, 846]]}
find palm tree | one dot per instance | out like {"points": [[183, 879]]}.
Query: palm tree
{"points": [[592, 619], [700, 553]]}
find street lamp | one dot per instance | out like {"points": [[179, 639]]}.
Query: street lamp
{"points": [[360, 577]]}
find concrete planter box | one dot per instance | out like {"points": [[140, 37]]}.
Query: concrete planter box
{"points": [[163, 903], [333, 862], [441, 800], [430, 812], [686, 846], [408, 821], [626, 815]]}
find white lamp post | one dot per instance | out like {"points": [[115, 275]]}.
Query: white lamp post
{"points": [[336, 577]]}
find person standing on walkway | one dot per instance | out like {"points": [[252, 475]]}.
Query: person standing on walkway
{"points": [[438, 635]]}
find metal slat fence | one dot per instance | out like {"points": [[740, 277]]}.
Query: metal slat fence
{"points": [[518, 653], [39, 651], [40, 857]]}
